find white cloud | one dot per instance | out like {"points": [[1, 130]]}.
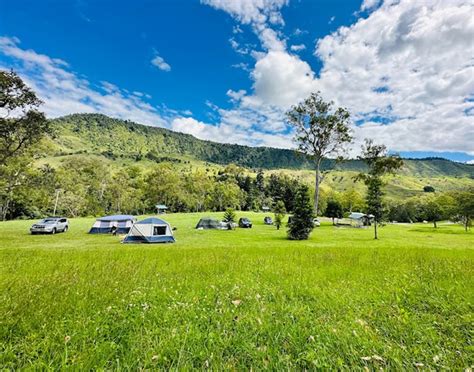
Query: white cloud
{"points": [[405, 72], [369, 4], [236, 96], [259, 14], [298, 47], [282, 79], [228, 132], [251, 11], [299, 32], [160, 63], [242, 65], [64, 92], [236, 46], [410, 63]]}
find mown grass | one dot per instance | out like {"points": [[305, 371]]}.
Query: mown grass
{"points": [[237, 299]]}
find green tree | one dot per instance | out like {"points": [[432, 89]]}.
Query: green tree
{"points": [[321, 131], [352, 200], [229, 215], [465, 207], [379, 164], [15, 177], [334, 210], [301, 223], [260, 181], [21, 125], [432, 211], [226, 195], [280, 212]]}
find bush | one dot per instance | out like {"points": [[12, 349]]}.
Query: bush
{"points": [[428, 189]]}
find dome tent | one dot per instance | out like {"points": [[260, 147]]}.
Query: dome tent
{"points": [[209, 223], [150, 230], [103, 225]]}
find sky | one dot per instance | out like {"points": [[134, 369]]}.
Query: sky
{"points": [[228, 70]]}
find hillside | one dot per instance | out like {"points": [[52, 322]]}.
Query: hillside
{"points": [[96, 134]]}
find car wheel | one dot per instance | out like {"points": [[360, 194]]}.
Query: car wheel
{"points": [[53, 231], [66, 228]]}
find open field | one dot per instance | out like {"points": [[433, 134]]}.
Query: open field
{"points": [[236, 299]]}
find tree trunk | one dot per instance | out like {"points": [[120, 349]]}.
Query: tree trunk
{"points": [[375, 229], [316, 190], [434, 223]]}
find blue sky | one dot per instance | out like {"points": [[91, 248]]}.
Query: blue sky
{"points": [[227, 70]]}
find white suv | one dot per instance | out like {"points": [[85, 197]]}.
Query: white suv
{"points": [[50, 225]]}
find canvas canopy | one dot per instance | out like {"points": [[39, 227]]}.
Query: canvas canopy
{"points": [[208, 223], [150, 230], [103, 225]]}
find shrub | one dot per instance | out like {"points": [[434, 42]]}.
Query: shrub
{"points": [[428, 189]]}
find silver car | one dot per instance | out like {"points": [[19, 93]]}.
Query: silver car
{"points": [[50, 225]]}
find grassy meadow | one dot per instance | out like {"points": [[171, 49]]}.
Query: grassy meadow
{"points": [[238, 299]]}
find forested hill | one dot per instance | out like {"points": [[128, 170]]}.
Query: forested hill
{"points": [[114, 138]]}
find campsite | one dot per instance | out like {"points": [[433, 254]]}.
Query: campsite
{"points": [[234, 299], [237, 185]]}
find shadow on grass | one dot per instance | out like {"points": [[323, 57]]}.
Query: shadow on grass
{"points": [[441, 230]]}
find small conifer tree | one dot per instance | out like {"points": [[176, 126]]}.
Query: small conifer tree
{"points": [[301, 223]]}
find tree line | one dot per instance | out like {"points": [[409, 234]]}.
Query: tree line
{"points": [[84, 186]]}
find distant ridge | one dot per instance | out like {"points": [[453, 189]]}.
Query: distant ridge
{"points": [[101, 135]]}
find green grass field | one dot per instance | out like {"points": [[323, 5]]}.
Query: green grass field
{"points": [[238, 299]]}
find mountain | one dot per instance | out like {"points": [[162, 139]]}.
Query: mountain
{"points": [[97, 134]]}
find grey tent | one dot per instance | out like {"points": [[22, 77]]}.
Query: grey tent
{"points": [[150, 230], [104, 225], [208, 223], [361, 219]]}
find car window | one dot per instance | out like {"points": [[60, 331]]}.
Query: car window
{"points": [[62, 220]]}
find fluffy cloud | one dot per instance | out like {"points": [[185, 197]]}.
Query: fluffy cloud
{"points": [[297, 48], [282, 79], [64, 92], [251, 11], [405, 72], [260, 14], [228, 131], [409, 64], [160, 63], [369, 4]]}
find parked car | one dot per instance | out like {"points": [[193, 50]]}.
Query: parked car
{"points": [[50, 225], [268, 221], [245, 223], [316, 222]]}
